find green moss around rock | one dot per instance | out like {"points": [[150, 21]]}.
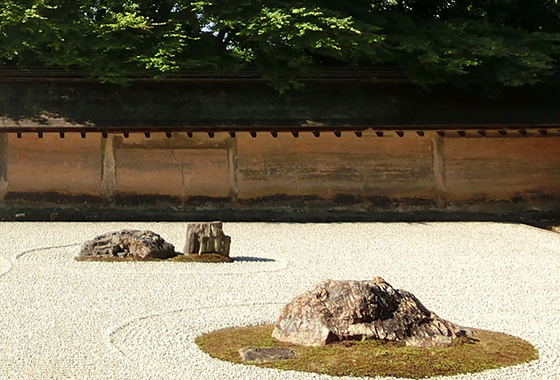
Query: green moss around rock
{"points": [[483, 351]]}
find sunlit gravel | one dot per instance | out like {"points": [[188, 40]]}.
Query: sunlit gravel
{"points": [[63, 319]]}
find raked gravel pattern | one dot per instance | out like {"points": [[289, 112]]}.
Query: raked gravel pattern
{"points": [[63, 319]]}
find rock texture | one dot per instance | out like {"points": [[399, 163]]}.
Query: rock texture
{"points": [[350, 310], [253, 354], [207, 238], [140, 245]]}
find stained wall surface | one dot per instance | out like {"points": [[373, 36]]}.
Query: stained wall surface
{"points": [[177, 167], [328, 166], [426, 172], [69, 165], [502, 168]]}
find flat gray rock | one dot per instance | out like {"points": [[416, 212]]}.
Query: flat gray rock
{"points": [[253, 354]]}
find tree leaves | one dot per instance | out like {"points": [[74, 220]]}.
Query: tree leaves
{"points": [[462, 42]]}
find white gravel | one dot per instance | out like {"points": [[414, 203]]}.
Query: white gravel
{"points": [[62, 319]]}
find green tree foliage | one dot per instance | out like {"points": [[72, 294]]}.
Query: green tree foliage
{"points": [[462, 42]]}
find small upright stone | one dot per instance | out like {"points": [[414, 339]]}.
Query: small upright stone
{"points": [[204, 238], [140, 245]]}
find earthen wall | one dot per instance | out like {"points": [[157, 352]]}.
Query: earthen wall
{"points": [[391, 172]]}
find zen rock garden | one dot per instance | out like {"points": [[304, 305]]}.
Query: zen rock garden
{"points": [[203, 240], [332, 311], [333, 315]]}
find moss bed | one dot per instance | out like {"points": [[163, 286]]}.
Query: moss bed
{"points": [[484, 350], [206, 258]]}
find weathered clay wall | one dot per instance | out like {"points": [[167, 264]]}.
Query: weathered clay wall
{"points": [[412, 172], [177, 167], [53, 165], [328, 166], [502, 169]]}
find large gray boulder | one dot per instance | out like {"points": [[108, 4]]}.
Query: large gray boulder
{"points": [[140, 245], [356, 310]]}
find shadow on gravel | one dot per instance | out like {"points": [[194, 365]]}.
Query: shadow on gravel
{"points": [[252, 259]]}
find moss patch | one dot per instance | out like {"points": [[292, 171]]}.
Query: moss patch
{"points": [[206, 258], [484, 350]]}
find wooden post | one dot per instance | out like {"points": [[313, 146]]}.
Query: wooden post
{"points": [[109, 175], [232, 168], [438, 167], [3, 164]]}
